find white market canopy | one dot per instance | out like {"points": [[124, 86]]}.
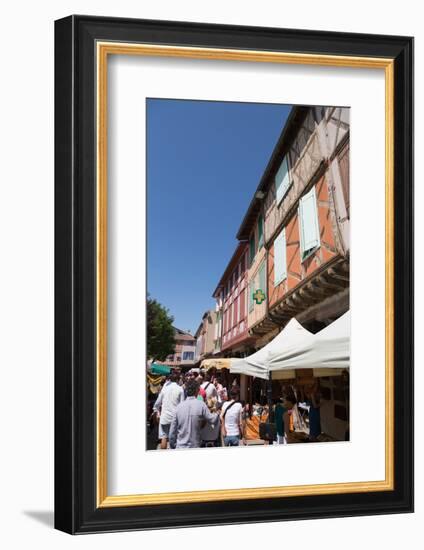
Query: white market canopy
{"points": [[297, 348], [286, 344]]}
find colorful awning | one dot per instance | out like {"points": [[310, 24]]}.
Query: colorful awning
{"points": [[218, 363], [156, 368]]}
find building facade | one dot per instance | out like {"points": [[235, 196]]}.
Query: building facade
{"points": [[185, 350], [298, 225], [252, 229], [217, 340], [205, 335], [231, 296], [293, 255], [307, 220]]}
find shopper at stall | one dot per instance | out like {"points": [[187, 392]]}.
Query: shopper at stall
{"points": [[201, 396], [208, 387], [189, 417], [231, 419], [289, 402], [220, 389], [279, 422], [313, 400]]}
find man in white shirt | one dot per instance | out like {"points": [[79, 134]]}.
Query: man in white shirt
{"points": [[209, 388], [232, 420], [170, 396]]}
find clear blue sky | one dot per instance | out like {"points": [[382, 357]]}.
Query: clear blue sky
{"points": [[204, 162]]}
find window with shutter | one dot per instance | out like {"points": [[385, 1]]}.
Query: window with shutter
{"points": [[282, 180], [260, 232], [344, 174], [252, 248], [280, 258], [251, 291], [262, 280], [242, 304], [308, 224]]}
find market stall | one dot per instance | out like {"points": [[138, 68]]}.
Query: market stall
{"points": [[325, 350], [297, 360], [297, 348]]}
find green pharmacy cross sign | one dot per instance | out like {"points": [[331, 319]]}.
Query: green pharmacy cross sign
{"points": [[259, 296]]}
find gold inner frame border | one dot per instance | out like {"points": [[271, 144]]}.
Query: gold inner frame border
{"points": [[103, 50]]}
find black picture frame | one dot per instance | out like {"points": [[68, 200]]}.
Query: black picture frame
{"points": [[76, 510]]}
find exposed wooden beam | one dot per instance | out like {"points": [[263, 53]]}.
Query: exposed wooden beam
{"points": [[336, 275], [332, 285], [331, 307]]}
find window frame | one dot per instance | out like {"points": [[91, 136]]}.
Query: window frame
{"points": [[251, 300], [262, 269], [252, 255], [260, 227]]}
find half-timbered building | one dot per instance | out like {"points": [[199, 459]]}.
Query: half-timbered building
{"points": [[300, 218], [231, 295]]}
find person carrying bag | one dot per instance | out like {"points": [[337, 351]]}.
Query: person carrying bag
{"points": [[231, 420]]}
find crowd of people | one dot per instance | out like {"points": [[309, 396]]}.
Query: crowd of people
{"points": [[196, 410]]}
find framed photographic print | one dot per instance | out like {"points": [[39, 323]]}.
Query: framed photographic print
{"points": [[233, 266]]}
